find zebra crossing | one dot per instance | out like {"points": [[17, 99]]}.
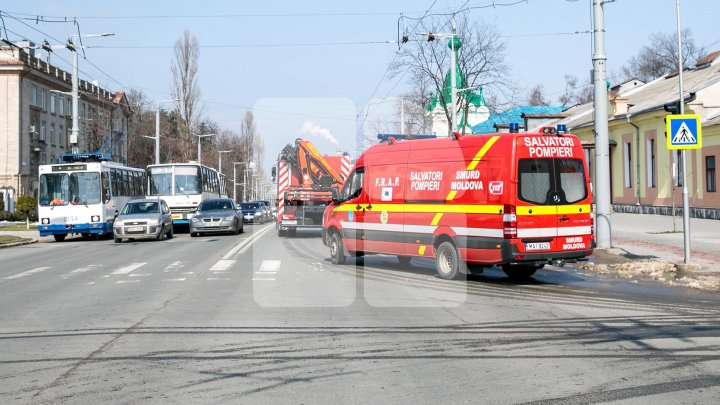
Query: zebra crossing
{"points": [[173, 272]]}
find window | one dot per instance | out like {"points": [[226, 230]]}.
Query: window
{"points": [[42, 131], [52, 103], [62, 135], [69, 108], [44, 100], [551, 181], [677, 168], [34, 95], [650, 157], [710, 174], [52, 133], [353, 187], [61, 105], [627, 160]]}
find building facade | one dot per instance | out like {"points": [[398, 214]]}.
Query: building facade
{"points": [[646, 176], [36, 119]]}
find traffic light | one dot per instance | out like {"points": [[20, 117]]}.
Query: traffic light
{"points": [[672, 108]]}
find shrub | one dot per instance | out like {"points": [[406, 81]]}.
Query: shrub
{"points": [[26, 207], [7, 216]]}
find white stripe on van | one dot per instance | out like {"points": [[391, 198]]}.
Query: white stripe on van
{"points": [[427, 229], [553, 232]]}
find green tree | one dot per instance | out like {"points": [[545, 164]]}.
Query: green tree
{"points": [[26, 205]]}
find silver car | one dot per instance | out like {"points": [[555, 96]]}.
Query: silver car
{"points": [[217, 215], [143, 219]]}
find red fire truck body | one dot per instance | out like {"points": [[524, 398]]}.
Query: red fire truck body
{"points": [[519, 200]]}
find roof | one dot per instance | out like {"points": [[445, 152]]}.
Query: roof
{"points": [[515, 115], [649, 97]]}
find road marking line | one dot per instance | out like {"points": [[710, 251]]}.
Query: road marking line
{"points": [[245, 243], [175, 266], [126, 281], [222, 265], [217, 279], [128, 269], [270, 265], [188, 272], [175, 279], [266, 272], [263, 279], [91, 283], [27, 273], [139, 275]]}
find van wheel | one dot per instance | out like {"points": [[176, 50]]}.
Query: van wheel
{"points": [[519, 272], [337, 250], [59, 238], [448, 261]]}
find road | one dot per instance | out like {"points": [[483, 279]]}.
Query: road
{"points": [[258, 319]]}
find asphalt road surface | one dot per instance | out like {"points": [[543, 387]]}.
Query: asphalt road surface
{"points": [[254, 318]]}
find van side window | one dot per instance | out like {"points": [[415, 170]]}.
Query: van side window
{"points": [[353, 186]]}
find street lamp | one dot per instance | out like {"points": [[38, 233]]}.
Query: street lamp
{"points": [[220, 152], [157, 127], [200, 145]]}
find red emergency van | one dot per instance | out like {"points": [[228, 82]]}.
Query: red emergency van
{"points": [[519, 200]]}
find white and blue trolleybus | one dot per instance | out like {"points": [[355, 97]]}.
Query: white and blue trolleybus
{"points": [[81, 195], [183, 186]]}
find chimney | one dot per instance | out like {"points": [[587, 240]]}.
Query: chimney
{"points": [[618, 104]]}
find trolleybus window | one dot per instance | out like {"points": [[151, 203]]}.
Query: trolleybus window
{"points": [[73, 188]]}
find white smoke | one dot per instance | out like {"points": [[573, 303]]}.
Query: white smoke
{"points": [[313, 129]]}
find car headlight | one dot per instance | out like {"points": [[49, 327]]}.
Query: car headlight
{"points": [[153, 221], [117, 222], [230, 218], [194, 219]]}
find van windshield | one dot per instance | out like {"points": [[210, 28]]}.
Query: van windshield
{"points": [[551, 181]]}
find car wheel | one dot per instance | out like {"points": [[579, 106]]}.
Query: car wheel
{"points": [[59, 238], [161, 235], [171, 233], [337, 250], [118, 240], [447, 261], [193, 234]]}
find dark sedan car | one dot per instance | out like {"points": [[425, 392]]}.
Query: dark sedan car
{"points": [[217, 215], [253, 212]]}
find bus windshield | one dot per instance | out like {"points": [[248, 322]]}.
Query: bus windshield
{"points": [[187, 180], [73, 188]]}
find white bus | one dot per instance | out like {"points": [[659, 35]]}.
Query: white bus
{"points": [[183, 186], [82, 195]]}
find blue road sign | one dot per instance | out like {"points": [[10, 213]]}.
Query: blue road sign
{"points": [[684, 131]]}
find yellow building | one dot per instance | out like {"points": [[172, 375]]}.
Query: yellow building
{"points": [[645, 175]]}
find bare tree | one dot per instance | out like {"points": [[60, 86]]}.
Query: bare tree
{"points": [[481, 59], [536, 96], [660, 56], [186, 89], [576, 93]]}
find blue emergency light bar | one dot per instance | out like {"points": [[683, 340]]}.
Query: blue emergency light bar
{"points": [[514, 127], [561, 129], [384, 137]]}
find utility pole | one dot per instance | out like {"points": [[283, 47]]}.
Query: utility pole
{"points": [[681, 102], [220, 152], [603, 236]]}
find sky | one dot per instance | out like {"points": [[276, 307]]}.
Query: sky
{"points": [[315, 69]]}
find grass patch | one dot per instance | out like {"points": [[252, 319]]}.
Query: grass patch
{"points": [[17, 227], [5, 239]]}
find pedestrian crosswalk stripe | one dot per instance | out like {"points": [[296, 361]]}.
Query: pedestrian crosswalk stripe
{"points": [[27, 273], [222, 265], [127, 269]]}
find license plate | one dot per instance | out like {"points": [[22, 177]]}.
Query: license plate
{"points": [[537, 246], [135, 229], [177, 216], [286, 222]]}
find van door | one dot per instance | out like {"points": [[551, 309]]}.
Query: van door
{"points": [[352, 211], [556, 214]]}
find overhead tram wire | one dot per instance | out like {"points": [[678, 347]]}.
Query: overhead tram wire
{"points": [[43, 18]]}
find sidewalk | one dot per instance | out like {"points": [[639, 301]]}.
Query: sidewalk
{"points": [[650, 246]]}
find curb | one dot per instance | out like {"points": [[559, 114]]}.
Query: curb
{"points": [[27, 242]]}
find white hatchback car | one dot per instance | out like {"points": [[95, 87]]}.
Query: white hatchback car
{"points": [[143, 219]]}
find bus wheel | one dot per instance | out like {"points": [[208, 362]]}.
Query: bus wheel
{"points": [[447, 261], [59, 238], [519, 272], [337, 250], [118, 240]]}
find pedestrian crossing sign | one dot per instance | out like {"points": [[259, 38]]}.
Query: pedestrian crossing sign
{"points": [[683, 131]]}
